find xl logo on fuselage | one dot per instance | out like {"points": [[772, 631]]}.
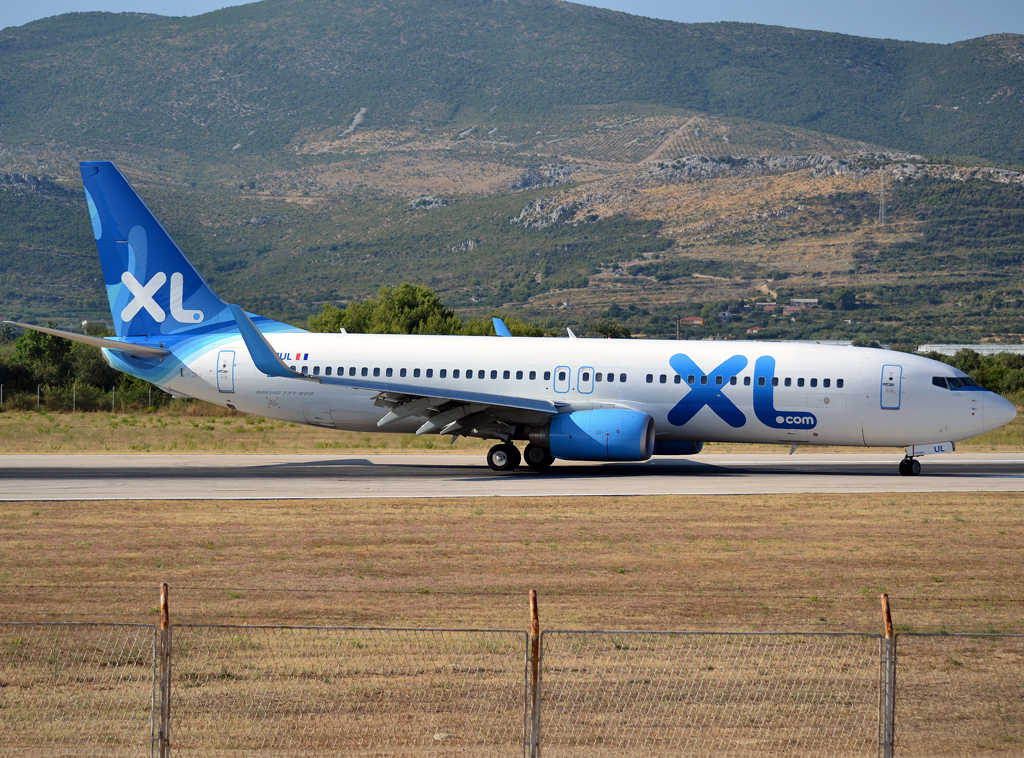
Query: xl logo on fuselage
{"points": [[143, 297], [708, 389]]}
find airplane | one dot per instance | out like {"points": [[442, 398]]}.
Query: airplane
{"points": [[567, 399]]}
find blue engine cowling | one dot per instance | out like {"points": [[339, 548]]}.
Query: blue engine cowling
{"points": [[600, 435], [677, 447]]}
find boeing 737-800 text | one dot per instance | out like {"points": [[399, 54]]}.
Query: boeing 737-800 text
{"points": [[573, 399]]}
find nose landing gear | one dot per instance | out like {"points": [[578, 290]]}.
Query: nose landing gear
{"points": [[504, 457], [910, 467]]}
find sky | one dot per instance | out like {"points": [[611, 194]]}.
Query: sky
{"points": [[941, 21]]}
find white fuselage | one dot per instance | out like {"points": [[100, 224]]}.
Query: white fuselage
{"points": [[824, 395]]}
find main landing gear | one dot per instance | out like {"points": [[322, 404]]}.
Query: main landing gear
{"points": [[504, 457], [910, 467]]}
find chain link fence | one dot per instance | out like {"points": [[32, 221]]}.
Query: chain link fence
{"points": [[115, 690], [959, 695], [644, 694], [76, 689]]}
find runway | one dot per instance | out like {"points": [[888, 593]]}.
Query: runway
{"points": [[258, 477]]}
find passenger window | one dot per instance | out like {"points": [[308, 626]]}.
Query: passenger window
{"points": [[388, 372], [775, 381], [677, 379], [789, 382], [814, 382], [746, 381], [597, 377], [305, 369], [760, 381], [839, 383], [732, 381], [455, 374], [826, 382], [505, 374], [650, 378], [341, 371], [533, 375], [547, 375], [719, 381], [430, 373], [703, 379], [292, 368], [316, 371], [662, 379], [561, 376], [327, 371], [611, 377], [586, 376], [401, 373], [376, 372], [691, 379], [800, 382], [351, 370], [416, 373], [481, 374], [444, 373], [519, 375], [622, 377]]}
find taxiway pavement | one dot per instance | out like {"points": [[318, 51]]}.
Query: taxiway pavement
{"points": [[256, 477]]}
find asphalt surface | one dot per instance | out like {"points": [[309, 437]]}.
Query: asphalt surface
{"points": [[232, 477]]}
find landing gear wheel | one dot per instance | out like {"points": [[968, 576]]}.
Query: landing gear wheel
{"points": [[537, 457], [503, 457], [910, 467]]}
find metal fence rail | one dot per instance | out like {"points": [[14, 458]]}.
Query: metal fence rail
{"points": [[644, 694], [960, 695], [76, 689], [304, 691]]}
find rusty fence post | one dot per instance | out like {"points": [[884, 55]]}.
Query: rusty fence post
{"points": [[535, 672], [887, 711], [163, 744]]}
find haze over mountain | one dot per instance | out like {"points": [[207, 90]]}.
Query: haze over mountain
{"points": [[260, 74], [554, 160]]}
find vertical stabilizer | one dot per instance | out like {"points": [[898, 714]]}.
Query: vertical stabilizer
{"points": [[152, 287]]}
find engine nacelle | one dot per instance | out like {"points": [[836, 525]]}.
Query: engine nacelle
{"points": [[677, 447], [600, 435]]}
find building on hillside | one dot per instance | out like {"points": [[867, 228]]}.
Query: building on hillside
{"points": [[804, 302], [691, 321], [755, 329], [791, 310]]}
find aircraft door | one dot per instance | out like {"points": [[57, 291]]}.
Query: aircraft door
{"points": [[585, 380], [226, 370], [562, 378], [892, 386]]}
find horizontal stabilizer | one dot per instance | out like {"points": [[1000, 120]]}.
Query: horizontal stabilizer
{"points": [[144, 351]]}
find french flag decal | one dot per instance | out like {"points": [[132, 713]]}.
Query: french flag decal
{"points": [[302, 356]]}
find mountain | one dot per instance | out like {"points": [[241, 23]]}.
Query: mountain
{"points": [[254, 78]]}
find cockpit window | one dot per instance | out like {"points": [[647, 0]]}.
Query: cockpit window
{"points": [[953, 382]]}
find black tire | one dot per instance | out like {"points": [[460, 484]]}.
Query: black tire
{"points": [[905, 467], [503, 458], [537, 457], [914, 466]]}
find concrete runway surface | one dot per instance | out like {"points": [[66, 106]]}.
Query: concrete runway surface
{"points": [[233, 477]]}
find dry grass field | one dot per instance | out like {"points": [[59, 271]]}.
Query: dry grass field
{"points": [[796, 562]]}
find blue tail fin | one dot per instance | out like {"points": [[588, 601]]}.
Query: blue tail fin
{"points": [[152, 287]]}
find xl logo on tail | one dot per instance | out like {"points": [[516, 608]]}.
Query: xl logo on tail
{"points": [[143, 297]]}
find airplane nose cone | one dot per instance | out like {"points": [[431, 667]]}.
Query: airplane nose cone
{"points": [[998, 411]]}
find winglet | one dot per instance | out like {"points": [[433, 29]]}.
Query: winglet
{"points": [[500, 329], [261, 352]]}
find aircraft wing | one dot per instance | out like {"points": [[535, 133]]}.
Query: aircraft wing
{"points": [[445, 410], [144, 351]]}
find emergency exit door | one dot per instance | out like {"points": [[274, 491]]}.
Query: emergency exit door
{"points": [[892, 386], [226, 370]]}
